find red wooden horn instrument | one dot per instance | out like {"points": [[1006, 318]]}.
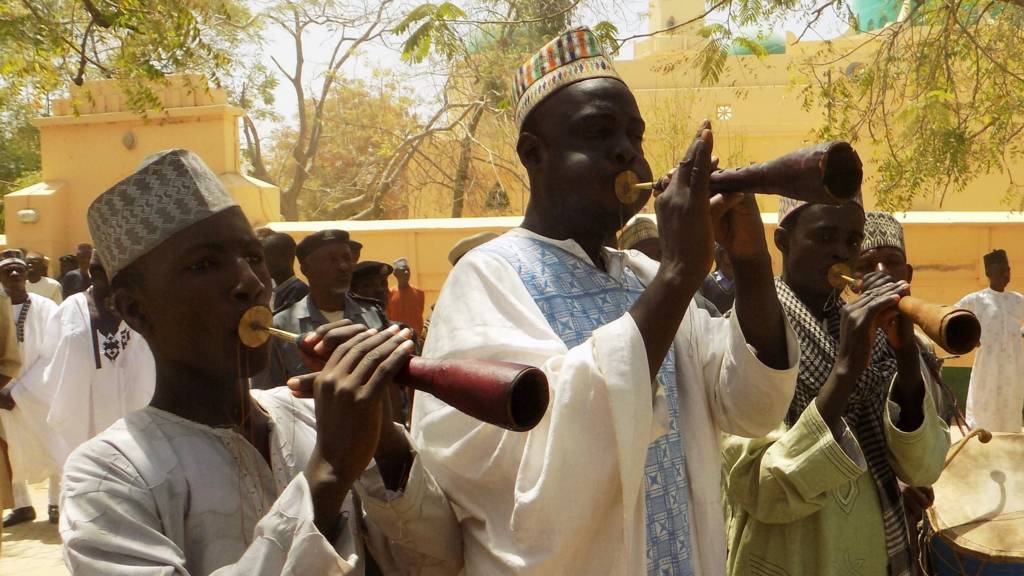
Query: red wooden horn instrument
{"points": [[512, 396]]}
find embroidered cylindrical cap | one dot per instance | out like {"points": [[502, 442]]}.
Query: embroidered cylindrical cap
{"points": [[637, 231], [468, 243], [169, 192], [882, 229], [573, 56]]}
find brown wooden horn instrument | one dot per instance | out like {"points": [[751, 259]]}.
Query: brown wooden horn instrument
{"points": [[509, 395], [954, 329], [828, 173]]}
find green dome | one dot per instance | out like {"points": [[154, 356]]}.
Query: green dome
{"points": [[770, 42], [875, 14]]}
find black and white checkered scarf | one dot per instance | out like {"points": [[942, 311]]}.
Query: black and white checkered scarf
{"points": [[865, 414]]}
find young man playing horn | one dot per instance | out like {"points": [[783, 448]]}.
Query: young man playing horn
{"points": [[629, 359], [883, 249], [819, 495], [212, 478]]}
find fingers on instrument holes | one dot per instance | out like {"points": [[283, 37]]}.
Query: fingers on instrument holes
{"points": [[377, 350], [336, 335], [385, 366]]}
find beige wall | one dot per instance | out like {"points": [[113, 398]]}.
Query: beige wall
{"points": [[92, 141], [768, 119], [944, 247]]}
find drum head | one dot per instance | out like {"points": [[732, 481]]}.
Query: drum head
{"points": [[979, 499]]}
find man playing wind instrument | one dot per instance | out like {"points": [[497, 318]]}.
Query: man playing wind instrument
{"points": [[819, 495], [622, 476], [212, 478]]}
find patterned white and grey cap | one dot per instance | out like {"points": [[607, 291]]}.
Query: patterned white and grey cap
{"points": [[638, 230], [789, 206], [169, 192], [882, 229]]}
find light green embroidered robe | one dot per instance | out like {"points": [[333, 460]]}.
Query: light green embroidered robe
{"points": [[802, 504]]}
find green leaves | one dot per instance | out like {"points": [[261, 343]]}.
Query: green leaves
{"points": [[433, 31], [607, 34], [940, 97], [712, 57], [45, 44]]}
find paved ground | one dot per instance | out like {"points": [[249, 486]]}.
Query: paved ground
{"points": [[33, 549]]}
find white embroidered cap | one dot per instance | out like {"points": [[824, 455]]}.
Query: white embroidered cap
{"points": [[169, 192]]}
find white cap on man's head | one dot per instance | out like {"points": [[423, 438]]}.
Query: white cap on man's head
{"points": [[169, 192]]}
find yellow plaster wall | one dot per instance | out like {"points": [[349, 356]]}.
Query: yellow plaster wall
{"points": [[767, 114], [944, 247], [767, 119], [93, 141]]}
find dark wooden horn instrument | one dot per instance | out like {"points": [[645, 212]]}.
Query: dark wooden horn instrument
{"points": [[954, 329], [826, 173], [512, 396]]}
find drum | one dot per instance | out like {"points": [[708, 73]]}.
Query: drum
{"points": [[976, 526]]}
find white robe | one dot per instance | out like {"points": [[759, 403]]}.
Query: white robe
{"points": [[568, 497], [31, 443], [47, 287], [92, 380], [158, 494], [995, 398]]}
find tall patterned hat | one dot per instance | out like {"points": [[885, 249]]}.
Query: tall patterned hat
{"points": [[170, 191], [997, 256], [882, 229], [789, 206], [573, 56]]}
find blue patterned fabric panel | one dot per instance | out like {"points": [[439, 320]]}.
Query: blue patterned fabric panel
{"points": [[576, 298]]}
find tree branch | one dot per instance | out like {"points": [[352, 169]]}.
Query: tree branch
{"points": [[714, 7]]}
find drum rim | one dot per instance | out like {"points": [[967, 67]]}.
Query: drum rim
{"points": [[963, 549]]}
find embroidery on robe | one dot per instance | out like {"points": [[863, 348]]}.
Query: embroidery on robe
{"points": [[111, 347], [576, 299], [846, 495], [761, 567], [20, 322]]}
